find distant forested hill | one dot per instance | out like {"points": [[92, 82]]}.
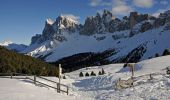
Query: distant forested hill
{"points": [[14, 62]]}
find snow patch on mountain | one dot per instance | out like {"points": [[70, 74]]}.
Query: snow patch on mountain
{"points": [[13, 46], [6, 43], [49, 21]]}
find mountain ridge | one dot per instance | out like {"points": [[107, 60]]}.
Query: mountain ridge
{"points": [[136, 34], [13, 46]]}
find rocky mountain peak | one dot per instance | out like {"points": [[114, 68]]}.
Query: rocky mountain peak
{"points": [[136, 17], [164, 18], [53, 30], [165, 14], [65, 22], [140, 23], [133, 16], [35, 38], [102, 32], [107, 16], [101, 23], [97, 24]]}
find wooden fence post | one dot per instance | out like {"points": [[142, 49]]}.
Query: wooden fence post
{"points": [[34, 79], [60, 72], [58, 87], [132, 80], [67, 90], [11, 75], [150, 75]]}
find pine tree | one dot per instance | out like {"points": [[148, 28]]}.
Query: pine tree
{"points": [[166, 52], [87, 74], [81, 74], [93, 74], [100, 73], [156, 55]]}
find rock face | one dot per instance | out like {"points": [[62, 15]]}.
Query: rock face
{"points": [[108, 23], [159, 22], [167, 27], [143, 19], [146, 26], [97, 24], [93, 25], [48, 31], [162, 19], [166, 15], [63, 23], [54, 29], [133, 17], [35, 38], [100, 24], [104, 23], [65, 37]]}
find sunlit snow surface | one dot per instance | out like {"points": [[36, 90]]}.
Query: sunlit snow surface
{"points": [[97, 87]]}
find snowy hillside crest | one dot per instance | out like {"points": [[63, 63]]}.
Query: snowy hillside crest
{"points": [[13, 46]]}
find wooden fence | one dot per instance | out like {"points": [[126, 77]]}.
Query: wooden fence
{"points": [[35, 80]]}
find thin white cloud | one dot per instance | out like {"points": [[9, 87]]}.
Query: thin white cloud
{"points": [[143, 3], [95, 3], [120, 7], [156, 14], [124, 7], [163, 2]]}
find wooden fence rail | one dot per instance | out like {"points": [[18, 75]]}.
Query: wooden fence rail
{"points": [[41, 83], [58, 85], [46, 79]]}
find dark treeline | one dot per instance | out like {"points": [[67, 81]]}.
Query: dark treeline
{"points": [[88, 59], [82, 60], [19, 63]]}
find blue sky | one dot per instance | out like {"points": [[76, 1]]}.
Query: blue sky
{"points": [[21, 19]]}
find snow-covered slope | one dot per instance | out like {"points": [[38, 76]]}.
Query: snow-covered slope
{"points": [[99, 87], [13, 46], [140, 34], [144, 67], [103, 87], [25, 90]]}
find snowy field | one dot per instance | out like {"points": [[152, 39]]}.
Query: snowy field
{"points": [[13, 89], [98, 87]]}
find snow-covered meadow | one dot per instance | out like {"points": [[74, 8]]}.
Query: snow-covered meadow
{"points": [[98, 87]]}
